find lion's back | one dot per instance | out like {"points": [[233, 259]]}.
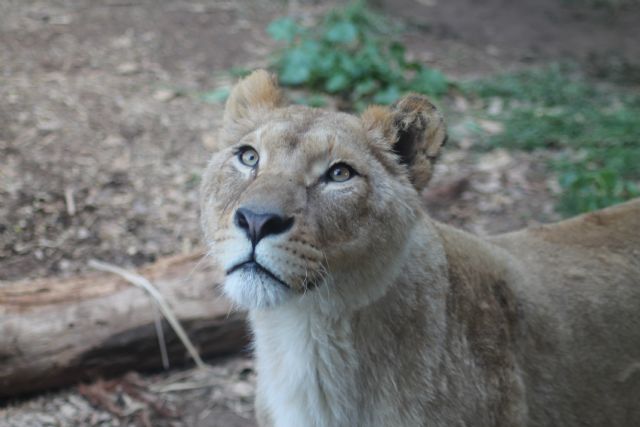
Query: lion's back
{"points": [[579, 301]]}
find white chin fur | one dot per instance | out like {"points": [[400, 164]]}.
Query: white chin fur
{"points": [[251, 289], [230, 252]]}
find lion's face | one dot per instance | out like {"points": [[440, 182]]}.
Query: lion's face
{"points": [[305, 204]]}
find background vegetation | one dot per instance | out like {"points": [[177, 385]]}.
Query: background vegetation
{"points": [[352, 53], [590, 129], [593, 130]]}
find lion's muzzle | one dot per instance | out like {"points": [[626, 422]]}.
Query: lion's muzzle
{"points": [[257, 225]]}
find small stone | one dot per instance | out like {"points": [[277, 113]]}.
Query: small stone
{"points": [[494, 160], [113, 141], [109, 232], [127, 68], [68, 410], [61, 20], [83, 233], [164, 95], [461, 104], [64, 264], [79, 403], [496, 105], [491, 127], [123, 42], [139, 208], [46, 420], [47, 126], [151, 247]]}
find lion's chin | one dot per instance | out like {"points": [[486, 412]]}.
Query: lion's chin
{"points": [[251, 287]]}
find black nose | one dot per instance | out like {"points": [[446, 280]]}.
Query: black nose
{"points": [[259, 225]]}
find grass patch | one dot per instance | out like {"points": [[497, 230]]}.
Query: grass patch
{"points": [[595, 129], [351, 53]]}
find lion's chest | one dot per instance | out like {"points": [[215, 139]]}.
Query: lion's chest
{"points": [[306, 374]]}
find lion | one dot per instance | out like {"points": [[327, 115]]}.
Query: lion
{"points": [[366, 312]]}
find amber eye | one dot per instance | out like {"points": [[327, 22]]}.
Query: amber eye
{"points": [[340, 172], [248, 156]]}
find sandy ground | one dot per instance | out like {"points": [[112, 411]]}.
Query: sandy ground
{"points": [[103, 138]]}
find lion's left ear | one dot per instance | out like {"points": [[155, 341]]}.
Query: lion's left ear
{"points": [[414, 130], [250, 99], [255, 93]]}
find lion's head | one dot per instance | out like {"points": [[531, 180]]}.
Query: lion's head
{"points": [[301, 204]]}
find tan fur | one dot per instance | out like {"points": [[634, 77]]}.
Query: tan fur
{"points": [[388, 318]]}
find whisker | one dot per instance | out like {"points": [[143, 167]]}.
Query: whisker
{"points": [[305, 286], [195, 268]]}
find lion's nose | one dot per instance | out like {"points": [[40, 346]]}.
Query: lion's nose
{"points": [[259, 225]]}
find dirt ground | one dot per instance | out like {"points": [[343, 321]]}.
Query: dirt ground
{"points": [[103, 138]]}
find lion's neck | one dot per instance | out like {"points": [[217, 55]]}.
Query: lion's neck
{"points": [[306, 363], [315, 365]]}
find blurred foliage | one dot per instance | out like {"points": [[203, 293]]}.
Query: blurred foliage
{"points": [[597, 130], [215, 96], [351, 52]]}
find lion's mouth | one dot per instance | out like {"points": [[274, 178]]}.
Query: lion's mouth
{"points": [[253, 265]]}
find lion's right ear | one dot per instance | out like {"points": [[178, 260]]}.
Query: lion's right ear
{"points": [[413, 130], [251, 98]]}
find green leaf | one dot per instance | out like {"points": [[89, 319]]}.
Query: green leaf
{"points": [[387, 96], [397, 52], [568, 179], [327, 62], [337, 83], [430, 81], [296, 67], [349, 66], [283, 29], [342, 32], [365, 87]]}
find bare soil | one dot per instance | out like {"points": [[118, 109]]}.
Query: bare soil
{"points": [[103, 138], [475, 37], [101, 126]]}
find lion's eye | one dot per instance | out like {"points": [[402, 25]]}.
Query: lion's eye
{"points": [[248, 156], [340, 172]]}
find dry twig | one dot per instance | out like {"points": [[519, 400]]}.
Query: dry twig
{"points": [[162, 304]]}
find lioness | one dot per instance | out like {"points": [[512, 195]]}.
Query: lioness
{"points": [[368, 313]]}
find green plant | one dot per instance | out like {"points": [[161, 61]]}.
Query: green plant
{"points": [[595, 129], [586, 190], [352, 53]]}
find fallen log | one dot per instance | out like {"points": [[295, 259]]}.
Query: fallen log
{"points": [[56, 332]]}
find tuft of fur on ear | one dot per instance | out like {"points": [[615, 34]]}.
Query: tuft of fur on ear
{"points": [[256, 92], [413, 129]]}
